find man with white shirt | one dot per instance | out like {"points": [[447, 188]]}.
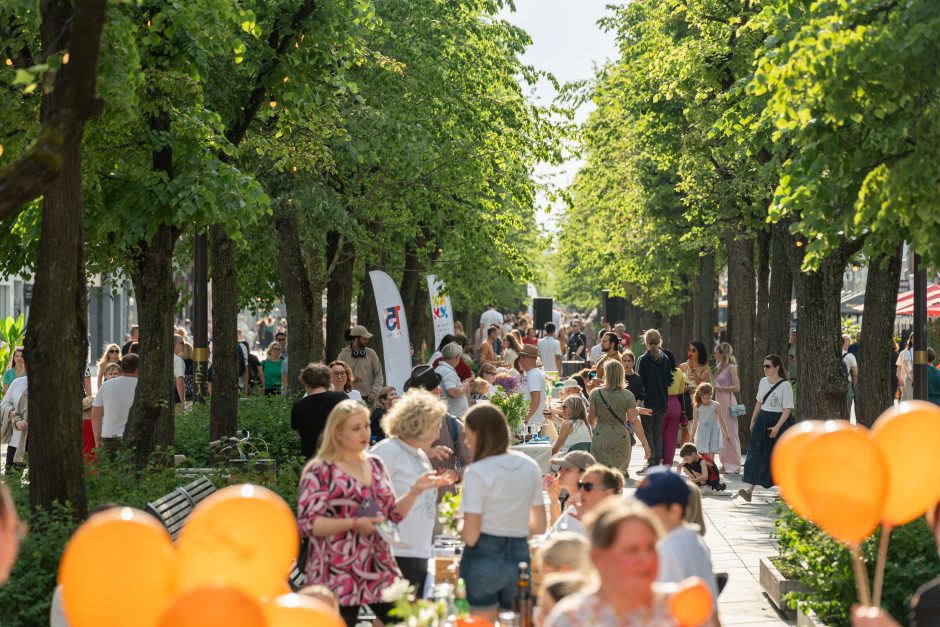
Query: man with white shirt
{"points": [[453, 390], [10, 410], [550, 349], [533, 382], [682, 551], [179, 374], [113, 402]]}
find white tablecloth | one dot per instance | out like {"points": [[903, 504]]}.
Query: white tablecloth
{"points": [[541, 452]]}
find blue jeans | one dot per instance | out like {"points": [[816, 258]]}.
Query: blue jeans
{"points": [[491, 570]]}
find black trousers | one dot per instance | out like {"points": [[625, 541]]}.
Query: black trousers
{"points": [[11, 453], [653, 428], [415, 570]]}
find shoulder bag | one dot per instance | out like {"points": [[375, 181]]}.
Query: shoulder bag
{"points": [[600, 395]]}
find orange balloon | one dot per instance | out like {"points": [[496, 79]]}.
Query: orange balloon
{"points": [[240, 536], [212, 606], [298, 610], [785, 462], [117, 570], [913, 483], [842, 476], [692, 604]]}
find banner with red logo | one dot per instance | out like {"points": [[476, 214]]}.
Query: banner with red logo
{"points": [[394, 326], [442, 314]]}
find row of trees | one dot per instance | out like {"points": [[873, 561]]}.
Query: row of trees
{"points": [[778, 140], [314, 140]]}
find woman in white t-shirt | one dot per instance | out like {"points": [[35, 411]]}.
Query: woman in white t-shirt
{"points": [[412, 425], [771, 417], [502, 505]]}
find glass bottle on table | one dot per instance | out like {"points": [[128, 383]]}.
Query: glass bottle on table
{"points": [[524, 602]]}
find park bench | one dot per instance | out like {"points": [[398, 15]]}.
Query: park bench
{"points": [[174, 508]]}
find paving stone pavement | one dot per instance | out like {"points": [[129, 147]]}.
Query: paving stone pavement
{"points": [[738, 534]]}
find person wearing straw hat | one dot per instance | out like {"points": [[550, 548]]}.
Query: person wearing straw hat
{"points": [[365, 363]]}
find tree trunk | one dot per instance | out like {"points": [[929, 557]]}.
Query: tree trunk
{"points": [[874, 345], [298, 297], [706, 299], [56, 343], [313, 256], [366, 313], [223, 418], [688, 318], [339, 293], [741, 310], [781, 292], [763, 291], [821, 386], [150, 422]]}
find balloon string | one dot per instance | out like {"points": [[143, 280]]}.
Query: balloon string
{"points": [[880, 564], [861, 576]]}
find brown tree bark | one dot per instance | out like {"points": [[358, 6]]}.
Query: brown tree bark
{"points": [[781, 292], [821, 386], [223, 416], [150, 422], [763, 289], [874, 345], [706, 299], [55, 341], [366, 313], [339, 293], [298, 297], [688, 327], [313, 255], [742, 292]]}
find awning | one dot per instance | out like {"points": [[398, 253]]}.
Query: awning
{"points": [[905, 306]]}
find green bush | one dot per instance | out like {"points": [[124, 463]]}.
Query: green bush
{"points": [[266, 418], [26, 597], [824, 566]]}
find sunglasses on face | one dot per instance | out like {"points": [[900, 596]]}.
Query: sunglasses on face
{"points": [[767, 366], [587, 486], [114, 350]]}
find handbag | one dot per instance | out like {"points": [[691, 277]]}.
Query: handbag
{"points": [[600, 395]]}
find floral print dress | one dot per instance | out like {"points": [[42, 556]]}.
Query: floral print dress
{"points": [[355, 567]]}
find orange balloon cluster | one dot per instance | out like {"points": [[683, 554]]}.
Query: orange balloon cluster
{"points": [[229, 568], [848, 480], [692, 604]]}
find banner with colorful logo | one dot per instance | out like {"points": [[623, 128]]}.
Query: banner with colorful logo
{"points": [[442, 314], [394, 326]]}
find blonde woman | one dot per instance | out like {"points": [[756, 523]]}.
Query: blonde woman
{"points": [[727, 384], [345, 496], [412, 425], [612, 406], [271, 370], [110, 355], [575, 429], [623, 538]]}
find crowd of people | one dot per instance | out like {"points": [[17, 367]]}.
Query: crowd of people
{"points": [[380, 460]]}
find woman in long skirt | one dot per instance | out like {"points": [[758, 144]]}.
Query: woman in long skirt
{"points": [[726, 383], [770, 419]]}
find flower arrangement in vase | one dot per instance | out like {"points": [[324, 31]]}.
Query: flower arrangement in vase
{"points": [[513, 402]]}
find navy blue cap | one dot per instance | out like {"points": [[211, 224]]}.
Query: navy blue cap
{"points": [[663, 488]]}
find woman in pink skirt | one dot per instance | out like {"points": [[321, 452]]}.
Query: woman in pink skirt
{"points": [[726, 383]]}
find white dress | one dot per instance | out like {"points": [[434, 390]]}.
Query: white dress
{"points": [[708, 433]]}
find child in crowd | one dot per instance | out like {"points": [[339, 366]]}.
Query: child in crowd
{"points": [[555, 588], [700, 468], [707, 431]]}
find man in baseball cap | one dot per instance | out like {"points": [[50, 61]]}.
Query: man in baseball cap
{"points": [[364, 362], [682, 551]]}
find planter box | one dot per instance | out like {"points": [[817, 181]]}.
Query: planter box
{"points": [[776, 586], [808, 619]]}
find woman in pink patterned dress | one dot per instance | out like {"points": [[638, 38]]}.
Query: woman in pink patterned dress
{"points": [[345, 495], [726, 383]]}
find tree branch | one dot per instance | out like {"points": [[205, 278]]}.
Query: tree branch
{"points": [[31, 174]]}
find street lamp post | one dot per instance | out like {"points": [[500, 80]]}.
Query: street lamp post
{"points": [[920, 329]]}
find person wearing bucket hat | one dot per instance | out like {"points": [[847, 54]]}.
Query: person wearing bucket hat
{"points": [[682, 551], [365, 363]]}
